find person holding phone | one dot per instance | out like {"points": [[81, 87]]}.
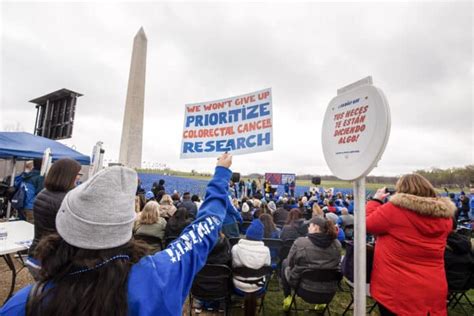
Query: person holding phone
{"points": [[408, 276]]}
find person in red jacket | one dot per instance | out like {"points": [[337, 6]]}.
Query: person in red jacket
{"points": [[408, 276]]}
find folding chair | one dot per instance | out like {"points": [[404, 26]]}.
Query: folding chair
{"points": [[316, 276], [212, 283], [351, 289], [348, 271], [275, 246], [285, 249], [456, 295], [260, 277], [234, 241], [154, 242]]}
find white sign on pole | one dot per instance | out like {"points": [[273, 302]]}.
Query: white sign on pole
{"points": [[46, 164], [97, 159], [356, 129]]}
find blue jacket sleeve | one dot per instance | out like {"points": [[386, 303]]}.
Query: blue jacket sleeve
{"points": [[174, 268]]}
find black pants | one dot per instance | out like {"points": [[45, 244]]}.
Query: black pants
{"points": [[385, 311], [284, 282]]}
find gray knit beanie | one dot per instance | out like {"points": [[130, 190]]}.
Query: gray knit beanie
{"points": [[99, 214]]}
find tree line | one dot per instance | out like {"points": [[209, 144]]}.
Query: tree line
{"points": [[460, 177]]}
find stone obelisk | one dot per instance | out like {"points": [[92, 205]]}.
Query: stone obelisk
{"points": [[132, 129]]}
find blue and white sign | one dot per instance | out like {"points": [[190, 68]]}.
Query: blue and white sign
{"points": [[238, 125]]}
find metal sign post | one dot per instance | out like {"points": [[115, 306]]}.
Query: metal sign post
{"points": [[47, 158], [97, 159], [360, 248], [12, 183]]}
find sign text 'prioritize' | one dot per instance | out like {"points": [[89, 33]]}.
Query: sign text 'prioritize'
{"points": [[238, 125]]}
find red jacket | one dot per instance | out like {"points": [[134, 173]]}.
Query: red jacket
{"points": [[408, 275]]}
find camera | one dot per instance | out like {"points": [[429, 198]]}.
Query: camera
{"points": [[390, 191]]}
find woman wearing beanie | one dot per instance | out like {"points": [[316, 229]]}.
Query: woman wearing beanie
{"points": [[320, 249], [94, 267], [246, 214], [61, 178], [411, 229], [250, 253]]}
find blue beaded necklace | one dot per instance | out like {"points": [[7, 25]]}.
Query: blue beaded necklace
{"points": [[100, 264]]}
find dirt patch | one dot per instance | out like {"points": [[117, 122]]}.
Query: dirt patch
{"points": [[23, 278]]}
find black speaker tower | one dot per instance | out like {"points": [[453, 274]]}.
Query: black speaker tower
{"points": [[55, 114]]}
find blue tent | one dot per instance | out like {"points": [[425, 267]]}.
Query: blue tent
{"points": [[24, 146]]}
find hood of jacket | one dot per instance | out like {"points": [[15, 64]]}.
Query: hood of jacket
{"points": [[458, 243], [427, 214], [425, 206], [31, 174], [320, 240], [250, 253]]}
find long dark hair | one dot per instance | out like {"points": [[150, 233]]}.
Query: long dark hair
{"points": [[101, 291], [268, 225], [293, 216], [329, 229], [178, 221]]}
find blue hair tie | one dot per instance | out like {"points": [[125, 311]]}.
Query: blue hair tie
{"points": [[100, 264]]}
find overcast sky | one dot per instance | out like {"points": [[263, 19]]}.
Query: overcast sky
{"points": [[419, 54]]}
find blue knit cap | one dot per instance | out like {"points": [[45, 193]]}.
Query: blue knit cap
{"points": [[255, 230]]}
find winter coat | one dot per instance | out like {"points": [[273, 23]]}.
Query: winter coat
{"points": [[167, 211], [45, 208], [408, 276], [297, 229], [190, 206], [155, 230], [251, 254], [459, 262], [174, 227], [306, 254], [280, 216], [166, 276], [220, 253]]}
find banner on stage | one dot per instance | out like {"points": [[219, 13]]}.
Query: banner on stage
{"points": [[238, 125], [280, 178]]}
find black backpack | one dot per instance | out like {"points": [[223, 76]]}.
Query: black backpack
{"points": [[18, 199]]}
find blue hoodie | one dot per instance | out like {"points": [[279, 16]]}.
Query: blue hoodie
{"points": [[167, 276]]}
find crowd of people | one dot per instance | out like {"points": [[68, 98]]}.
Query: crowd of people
{"points": [[157, 241]]}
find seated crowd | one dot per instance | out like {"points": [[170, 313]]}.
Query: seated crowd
{"points": [[237, 228]]}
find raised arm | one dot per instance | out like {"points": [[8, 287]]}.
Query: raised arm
{"points": [[177, 265]]}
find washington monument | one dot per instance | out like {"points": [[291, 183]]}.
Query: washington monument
{"points": [[132, 129]]}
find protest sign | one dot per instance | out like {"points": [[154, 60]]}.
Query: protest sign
{"points": [[238, 125]]}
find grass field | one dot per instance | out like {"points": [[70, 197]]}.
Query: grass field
{"points": [[306, 183], [274, 298]]}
